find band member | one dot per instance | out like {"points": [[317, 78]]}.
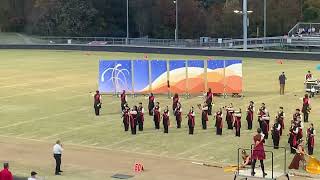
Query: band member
{"points": [[237, 122], [123, 99], [281, 115], [97, 103], [308, 76], [293, 137], [246, 159], [306, 108], [166, 120], [276, 134], [297, 115], [299, 157], [204, 116], [156, 116], [229, 116], [140, 116], [250, 112], [311, 132], [126, 117], [191, 120], [263, 114], [209, 98], [175, 101], [299, 124], [258, 152], [178, 114], [219, 122], [133, 120], [151, 104], [264, 129]]}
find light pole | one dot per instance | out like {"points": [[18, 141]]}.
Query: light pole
{"points": [[177, 19], [264, 22], [127, 38], [245, 23]]}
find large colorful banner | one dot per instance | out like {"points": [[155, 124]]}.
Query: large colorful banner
{"points": [[175, 76], [159, 76], [196, 76], [115, 76], [141, 76], [215, 75], [233, 76]]}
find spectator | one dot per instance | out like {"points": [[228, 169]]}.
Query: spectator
{"points": [[5, 174], [33, 176], [57, 152], [282, 81]]}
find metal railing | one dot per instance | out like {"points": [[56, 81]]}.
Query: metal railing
{"points": [[210, 43], [305, 29]]}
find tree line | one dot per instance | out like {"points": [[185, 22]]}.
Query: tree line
{"points": [[152, 18]]}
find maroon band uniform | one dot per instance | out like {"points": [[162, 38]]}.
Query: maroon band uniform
{"points": [[123, 99], [191, 121], [156, 117], [97, 103], [204, 116], [125, 116], [175, 101], [140, 117], [276, 135], [219, 122], [133, 121], [209, 101], [178, 114], [250, 112], [166, 121], [293, 141], [281, 116], [310, 140], [229, 117], [237, 123], [151, 104]]}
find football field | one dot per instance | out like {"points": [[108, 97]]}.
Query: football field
{"points": [[45, 96]]}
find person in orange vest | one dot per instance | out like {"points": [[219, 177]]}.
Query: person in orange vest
{"points": [[5, 174]]}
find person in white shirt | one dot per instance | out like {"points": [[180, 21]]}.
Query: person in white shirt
{"points": [[33, 176], [57, 152]]}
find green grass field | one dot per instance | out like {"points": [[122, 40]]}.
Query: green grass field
{"points": [[44, 95]]}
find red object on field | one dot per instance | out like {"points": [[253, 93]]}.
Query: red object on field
{"points": [[145, 56], [138, 167], [279, 62]]}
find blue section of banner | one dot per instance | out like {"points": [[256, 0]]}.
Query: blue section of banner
{"points": [[196, 63], [176, 64], [231, 62], [115, 76], [158, 67], [215, 64], [141, 75]]}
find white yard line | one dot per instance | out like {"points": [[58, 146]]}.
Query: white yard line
{"points": [[37, 82], [41, 118], [44, 90]]}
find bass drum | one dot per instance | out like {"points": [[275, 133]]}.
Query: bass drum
{"points": [[313, 166]]}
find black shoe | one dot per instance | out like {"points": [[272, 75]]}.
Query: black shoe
{"points": [[60, 171], [253, 173], [264, 175], [57, 174]]}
